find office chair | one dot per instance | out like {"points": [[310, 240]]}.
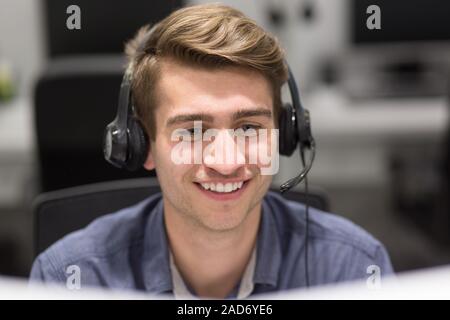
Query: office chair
{"points": [[440, 224], [60, 212]]}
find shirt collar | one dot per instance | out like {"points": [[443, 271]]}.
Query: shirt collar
{"points": [[181, 291], [155, 262]]}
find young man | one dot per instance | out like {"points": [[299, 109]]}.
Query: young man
{"points": [[215, 231]]}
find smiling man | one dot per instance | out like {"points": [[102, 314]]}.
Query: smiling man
{"points": [[215, 230]]}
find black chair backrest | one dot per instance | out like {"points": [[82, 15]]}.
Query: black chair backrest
{"points": [[60, 212]]}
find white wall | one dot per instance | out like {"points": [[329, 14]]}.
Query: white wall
{"points": [[21, 40]]}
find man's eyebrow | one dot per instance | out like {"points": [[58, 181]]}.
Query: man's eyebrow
{"points": [[252, 113], [209, 118], [189, 118]]}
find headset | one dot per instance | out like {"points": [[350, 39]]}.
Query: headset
{"points": [[126, 144]]}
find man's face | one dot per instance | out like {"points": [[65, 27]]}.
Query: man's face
{"points": [[229, 98]]}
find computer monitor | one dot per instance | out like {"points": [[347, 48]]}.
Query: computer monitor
{"points": [[105, 24], [402, 21], [407, 56]]}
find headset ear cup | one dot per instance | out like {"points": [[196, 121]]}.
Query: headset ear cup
{"points": [[304, 128], [137, 145], [287, 137]]}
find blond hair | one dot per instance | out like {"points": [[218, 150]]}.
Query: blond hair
{"points": [[208, 35]]}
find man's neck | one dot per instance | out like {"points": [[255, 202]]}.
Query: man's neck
{"points": [[211, 262]]}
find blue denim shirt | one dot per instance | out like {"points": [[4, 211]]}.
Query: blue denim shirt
{"points": [[129, 250]]}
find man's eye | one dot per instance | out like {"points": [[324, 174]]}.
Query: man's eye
{"points": [[194, 133], [247, 127], [186, 135], [247, 130]]}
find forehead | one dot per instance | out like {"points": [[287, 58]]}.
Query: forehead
{"points": [[219, 92]]}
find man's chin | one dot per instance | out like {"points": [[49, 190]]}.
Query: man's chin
{"points": [[221, 220]]}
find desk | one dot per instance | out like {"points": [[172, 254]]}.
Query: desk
{"points": [[16, 127], [336, 117], [16, 150]]}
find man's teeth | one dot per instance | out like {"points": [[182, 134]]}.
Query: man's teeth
{"points": [[221, 187]]}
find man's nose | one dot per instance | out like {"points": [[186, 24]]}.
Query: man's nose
{"points": [[223, 154]]}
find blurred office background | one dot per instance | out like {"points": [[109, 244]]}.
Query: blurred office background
{"points": [[378, 100]]}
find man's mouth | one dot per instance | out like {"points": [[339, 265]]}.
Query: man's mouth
{"points": [[222, 187], [223, 190]]}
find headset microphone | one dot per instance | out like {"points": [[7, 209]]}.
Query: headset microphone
{"points": [[302, 175]]}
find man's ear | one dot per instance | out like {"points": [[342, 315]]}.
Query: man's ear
{"points": [[149, 163]]}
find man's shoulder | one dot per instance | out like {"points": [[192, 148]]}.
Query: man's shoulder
{"points": [[324, 229], [105, 237]]}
